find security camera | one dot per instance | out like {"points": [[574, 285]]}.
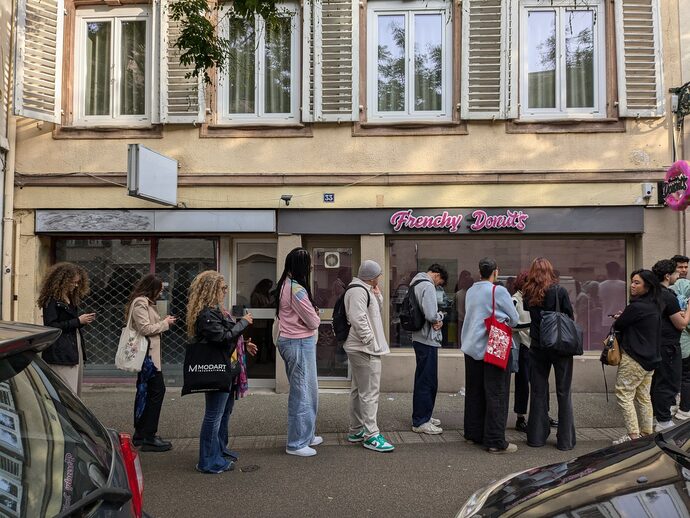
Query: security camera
{"points": [[647, 189], [286, 198]]}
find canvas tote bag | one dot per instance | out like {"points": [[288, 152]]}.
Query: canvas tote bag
{"points": [[132, 348]]}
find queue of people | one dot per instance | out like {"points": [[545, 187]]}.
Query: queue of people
{"points": [[653, 371]]}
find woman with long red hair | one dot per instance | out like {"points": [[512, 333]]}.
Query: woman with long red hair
{"points": [[541, 293]]}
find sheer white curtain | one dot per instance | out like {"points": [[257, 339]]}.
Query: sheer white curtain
{"points": [[97, 91], [133, 68], [579, 43], [278, 71], [428, 59], [241, 67]]}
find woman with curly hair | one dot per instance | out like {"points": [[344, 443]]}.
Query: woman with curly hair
{"points": [[541, 293], [209, 322], [63, 288]]}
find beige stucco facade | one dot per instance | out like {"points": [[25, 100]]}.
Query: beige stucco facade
{"points": [[495, 164]]}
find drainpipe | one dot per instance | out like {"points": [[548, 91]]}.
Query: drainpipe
{"points": [[8, 191]]}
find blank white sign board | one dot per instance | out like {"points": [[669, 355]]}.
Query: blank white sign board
{"points": [[151, 176]]}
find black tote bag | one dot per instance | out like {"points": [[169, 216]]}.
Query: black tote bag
{"points": [[560, 333], [207, 369]]}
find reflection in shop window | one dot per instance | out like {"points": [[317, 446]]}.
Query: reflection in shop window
{"points": [[592, 270]]}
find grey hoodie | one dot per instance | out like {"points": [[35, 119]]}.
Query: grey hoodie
{"points": [[426, 298]]}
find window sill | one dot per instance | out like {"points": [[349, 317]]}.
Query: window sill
{"points": [[107, 132], [408, 128], [603, 125], [255, 131]]}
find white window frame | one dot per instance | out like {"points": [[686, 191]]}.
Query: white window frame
{"points": [[561, 111], [114, 15], [408, 10], [260, 117]]}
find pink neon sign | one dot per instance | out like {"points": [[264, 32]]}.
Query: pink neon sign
{"points": [[481, 220]]}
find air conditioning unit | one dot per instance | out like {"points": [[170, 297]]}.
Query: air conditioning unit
{"points": [[331, 259]]}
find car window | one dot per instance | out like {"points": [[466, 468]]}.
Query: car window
{"points": [[53, 451]]}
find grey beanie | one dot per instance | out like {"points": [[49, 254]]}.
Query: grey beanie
{"points": [[369, 270]]}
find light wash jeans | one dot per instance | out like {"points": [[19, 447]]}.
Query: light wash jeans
{"points": [[299, 355], [213, 437]]}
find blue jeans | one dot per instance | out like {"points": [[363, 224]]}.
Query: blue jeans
{"points": [[213, 438], [299, 355]]}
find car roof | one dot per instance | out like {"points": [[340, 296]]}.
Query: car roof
{"points": [[17, 337]]}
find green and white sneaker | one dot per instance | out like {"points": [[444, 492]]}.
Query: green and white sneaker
{"points": [[356, 437], [378, 443]]}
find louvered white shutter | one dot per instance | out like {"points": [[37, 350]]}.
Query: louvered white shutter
{"points": [[308, 61], [181, 99], [334, 60], [638, 44], [38, 59], [484, 59], [511, 44]]}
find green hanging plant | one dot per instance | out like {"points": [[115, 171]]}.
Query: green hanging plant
{"points": [[200, 43]]}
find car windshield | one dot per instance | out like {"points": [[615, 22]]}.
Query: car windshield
{"points": [[53, 451]]}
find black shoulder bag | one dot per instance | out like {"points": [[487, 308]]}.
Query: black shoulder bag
{"points": [[559, 332]]}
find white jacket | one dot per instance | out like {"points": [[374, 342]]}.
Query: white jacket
{"points": [[366, 325]]}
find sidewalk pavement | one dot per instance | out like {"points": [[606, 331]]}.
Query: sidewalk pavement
{"points": [[259, 419]]}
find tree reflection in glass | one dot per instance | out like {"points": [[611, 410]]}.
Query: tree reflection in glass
{"points": [[391, 63], [579, 59], [428, 59]]}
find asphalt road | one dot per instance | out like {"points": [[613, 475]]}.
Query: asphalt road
{"points": [[431, 478]]}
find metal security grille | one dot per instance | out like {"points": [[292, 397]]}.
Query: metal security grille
{"points": [[114, 267]]}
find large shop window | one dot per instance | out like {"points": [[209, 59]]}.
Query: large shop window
{"points": [[592, 270], [115, 265]]}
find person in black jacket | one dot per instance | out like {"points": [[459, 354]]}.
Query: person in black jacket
{"points": [[667, 376], [639, 325], [208, 322], [63, 288], [542, 293]]}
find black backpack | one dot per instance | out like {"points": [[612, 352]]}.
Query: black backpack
{"points": [[341, 325], [411, 315]]}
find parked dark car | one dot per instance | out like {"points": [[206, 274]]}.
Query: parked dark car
{"points": [[648, 477], [56, 458]]}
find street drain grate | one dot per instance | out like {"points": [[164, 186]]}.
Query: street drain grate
{"points": [[249, 469]]}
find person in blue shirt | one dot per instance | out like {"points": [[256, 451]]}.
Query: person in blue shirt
{"points": [[487, 386]]}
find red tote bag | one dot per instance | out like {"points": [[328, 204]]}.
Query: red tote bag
{"points": [[500, 338]]}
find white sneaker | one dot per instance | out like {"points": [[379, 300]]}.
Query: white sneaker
{"points": [[674, 409], [682, 415], [660, 426], [316, 440], [621, 440], [428, 428], [435, 422], [302, 452]]}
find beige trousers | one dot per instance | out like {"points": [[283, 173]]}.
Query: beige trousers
{"points": [[364, 393], [72, 375], [633, 384]]}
